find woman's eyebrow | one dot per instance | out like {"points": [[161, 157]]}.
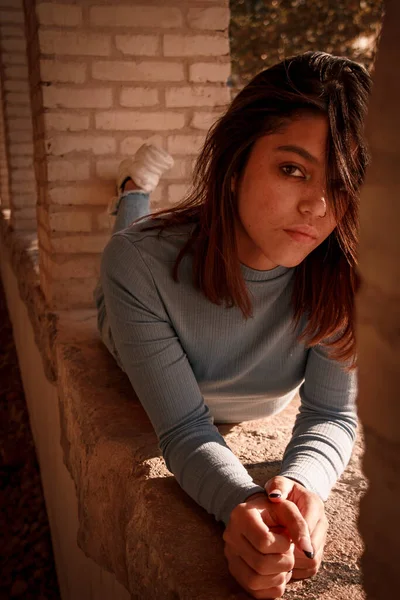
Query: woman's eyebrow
{"points": [[301, 151]]}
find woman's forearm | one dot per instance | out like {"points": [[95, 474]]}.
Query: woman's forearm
{"points": [[319, 451]]}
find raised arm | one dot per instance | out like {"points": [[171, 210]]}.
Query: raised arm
{"points": [[163, 380]]}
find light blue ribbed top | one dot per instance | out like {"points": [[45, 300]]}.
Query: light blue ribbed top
{"points": [[192, 362]]}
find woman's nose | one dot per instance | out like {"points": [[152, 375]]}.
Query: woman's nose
{"points": [[313, 204]]}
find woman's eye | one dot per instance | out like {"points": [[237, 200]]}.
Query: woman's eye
{"points": [[292, 171]]}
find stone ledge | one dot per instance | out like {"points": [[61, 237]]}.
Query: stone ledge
{"points": [[24, 256], [135, 521]]}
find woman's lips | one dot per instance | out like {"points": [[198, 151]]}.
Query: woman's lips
{"points": [[303, 238]]}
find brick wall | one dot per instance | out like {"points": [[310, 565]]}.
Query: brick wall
{"points": [[106, 76], [4, 177], [17, 175]]}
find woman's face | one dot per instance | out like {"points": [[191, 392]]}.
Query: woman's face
{"points": [[284, 212]]}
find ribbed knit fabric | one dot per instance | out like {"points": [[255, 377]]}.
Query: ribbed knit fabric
{"points": [[192, 362]]}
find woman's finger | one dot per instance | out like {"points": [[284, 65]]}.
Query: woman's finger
{"points": [[318, 538], [278, 488], [310, 504], [287, 514], [259, 586], [265, 564], [305, 567], [261, 537], [311, 507]]}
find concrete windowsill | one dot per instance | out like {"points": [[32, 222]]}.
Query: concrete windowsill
{"points": [[134, 520]]}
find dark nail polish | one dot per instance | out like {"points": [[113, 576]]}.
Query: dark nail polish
{"points": [[309, 554], [274, 495]]}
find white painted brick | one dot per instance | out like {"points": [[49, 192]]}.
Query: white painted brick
{"points": [[64, 170], [14, 45], [68, 97], [215, 18], [135, 120], [131, 144], [185, 144], [10, 31], [22, 175], [23, 213], [23, 200], [135, 16], [11, 16], [17, 98], [74, 221], [24, 225], [63, 144], [55, 70], [138, 71], [81, 268], [95, 194], [21, 149], [20, 136], [16, 58], [19, 111], [107, 168], [71, 293], [104, 221], [180, 170], [74, 43], [176, 192], [66, 121], [138, 45], [26, 187], [192, 45], [15, 4], [22, 161], [76, 244], [138, 96], [209, 72], [29, 225], [20, 72], [196, 96], [14, 85], [26, 213], [65, 15]]}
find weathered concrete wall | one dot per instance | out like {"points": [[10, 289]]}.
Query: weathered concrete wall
{"points": [[18, 187], [378, 332], [106, 76], [80, 578]]}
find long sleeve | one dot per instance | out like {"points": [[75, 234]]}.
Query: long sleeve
{"points": [[158, 368], [325, 428]]}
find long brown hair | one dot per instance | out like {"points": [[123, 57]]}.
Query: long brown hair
{"points": [[326, 280]]}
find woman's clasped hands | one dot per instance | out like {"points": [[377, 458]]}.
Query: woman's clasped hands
{"points": [[270, 541]]}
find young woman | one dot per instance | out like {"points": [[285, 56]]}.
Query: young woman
{"points": [[221, 308]]}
